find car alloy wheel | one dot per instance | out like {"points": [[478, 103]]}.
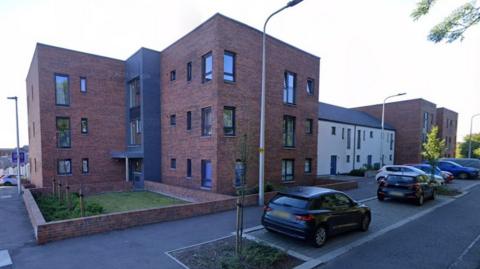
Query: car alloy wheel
{"points": [[463, 176], [365, 223], [320, 236], [420, 199]]}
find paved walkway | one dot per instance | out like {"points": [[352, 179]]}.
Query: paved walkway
{"points": [[15, 229]]}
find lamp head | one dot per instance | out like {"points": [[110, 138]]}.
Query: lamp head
{"points": [[12, 98], [403, 93], [293, 3]]}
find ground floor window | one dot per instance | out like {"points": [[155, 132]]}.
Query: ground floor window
{"points": [[206, 173], [308, 165], [189, 168], [288, 169], [85, 166], [64, 167], [173, 163]]}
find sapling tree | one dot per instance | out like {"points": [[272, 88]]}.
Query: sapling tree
{"points": [[433, 149]]}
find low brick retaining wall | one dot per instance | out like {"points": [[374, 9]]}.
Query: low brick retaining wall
{"points": [[190, 195], [57, 230], [339, 185]]}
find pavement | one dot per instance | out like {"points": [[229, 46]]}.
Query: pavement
{"points": [[145, 246]]}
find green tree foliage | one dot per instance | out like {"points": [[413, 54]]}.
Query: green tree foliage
{"points": [[463, 147], [454, 25], [433, 148]]}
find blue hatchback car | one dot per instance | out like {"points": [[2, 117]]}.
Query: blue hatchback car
{"points": [[457, 170]]}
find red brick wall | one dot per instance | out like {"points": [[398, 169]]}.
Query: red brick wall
{"points": [[180, 96], [103, 105], [407, 118], [447, 124]]}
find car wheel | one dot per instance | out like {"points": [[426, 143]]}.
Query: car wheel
{"points": [[421, 200], [365, 223], [380, 197], [319, 237], [7, 184], [463, 175]]}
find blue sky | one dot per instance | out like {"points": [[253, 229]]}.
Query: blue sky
{"points": [[369, 49]]}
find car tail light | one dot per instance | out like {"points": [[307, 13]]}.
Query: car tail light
{"points": [[267, 208], [305, 217]]}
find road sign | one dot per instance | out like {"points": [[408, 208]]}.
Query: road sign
{"points": [[22, 157]]}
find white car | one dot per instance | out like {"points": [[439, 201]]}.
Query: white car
{"points": [[404, 170], [8, 180]]}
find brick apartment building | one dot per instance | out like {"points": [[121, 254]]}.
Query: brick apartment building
{"points": [[412, 120], [178, 116]]}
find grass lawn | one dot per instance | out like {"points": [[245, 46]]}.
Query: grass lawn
{"points": [[124, 201]]}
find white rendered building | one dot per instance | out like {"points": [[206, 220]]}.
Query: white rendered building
{"points": [[350, 139]]}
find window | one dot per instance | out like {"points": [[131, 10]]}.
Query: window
{"points": [[358, 158], [309, 126], [189, 120], [390, 157], [84, 126], [33, 128], [289, 82], [349, 138], [371, 134], [288, 131], [359, 137], [173, 75], [425, 121], [334, 130], [83, 84], [308, 165], [135, 132], [64, 167], [189, 168], [363, 135], [239, 172], [62, 92], [310, 85], [229, 121], [229, 66], [348, 158], [206, 174], [31, 90], [207, 121], [288, 169], [63, 132], [207, 67], [343, 133], [391, 141], [173, 163], [173, 120], [85, 167], [134, 93], [189, 71]]}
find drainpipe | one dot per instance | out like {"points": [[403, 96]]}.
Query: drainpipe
{"points": [[126, 169], [354, 144]]}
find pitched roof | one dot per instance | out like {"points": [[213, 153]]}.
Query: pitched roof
{"points": [[340, 114]]}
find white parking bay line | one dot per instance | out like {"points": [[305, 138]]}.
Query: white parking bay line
{"points": [[340, 251], [5, 196], [368, 199], [460, 258], [5, 259]]}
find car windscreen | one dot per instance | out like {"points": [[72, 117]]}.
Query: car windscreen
{"points": [[290, 201], [402, 179]]}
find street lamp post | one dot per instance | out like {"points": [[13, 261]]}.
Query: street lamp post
{"points": [[470, 140], [383, 125], [19, 182], [261, 166]]}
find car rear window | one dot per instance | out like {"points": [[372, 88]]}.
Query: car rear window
{"points": [[290, 201], [403, 179]]}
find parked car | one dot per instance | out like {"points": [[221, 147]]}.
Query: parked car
{"points": [[413, 188], [467, 162], [314, 214], [457, 170], [404, 170], [427, 168], [8, 180]]}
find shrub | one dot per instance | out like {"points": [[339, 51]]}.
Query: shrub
{"points": [[54, 209], [358, 172]]}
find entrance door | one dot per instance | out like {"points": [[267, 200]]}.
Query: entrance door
{"points": [[369, 161], [206, 174], [333, 165], [136, 173]]}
